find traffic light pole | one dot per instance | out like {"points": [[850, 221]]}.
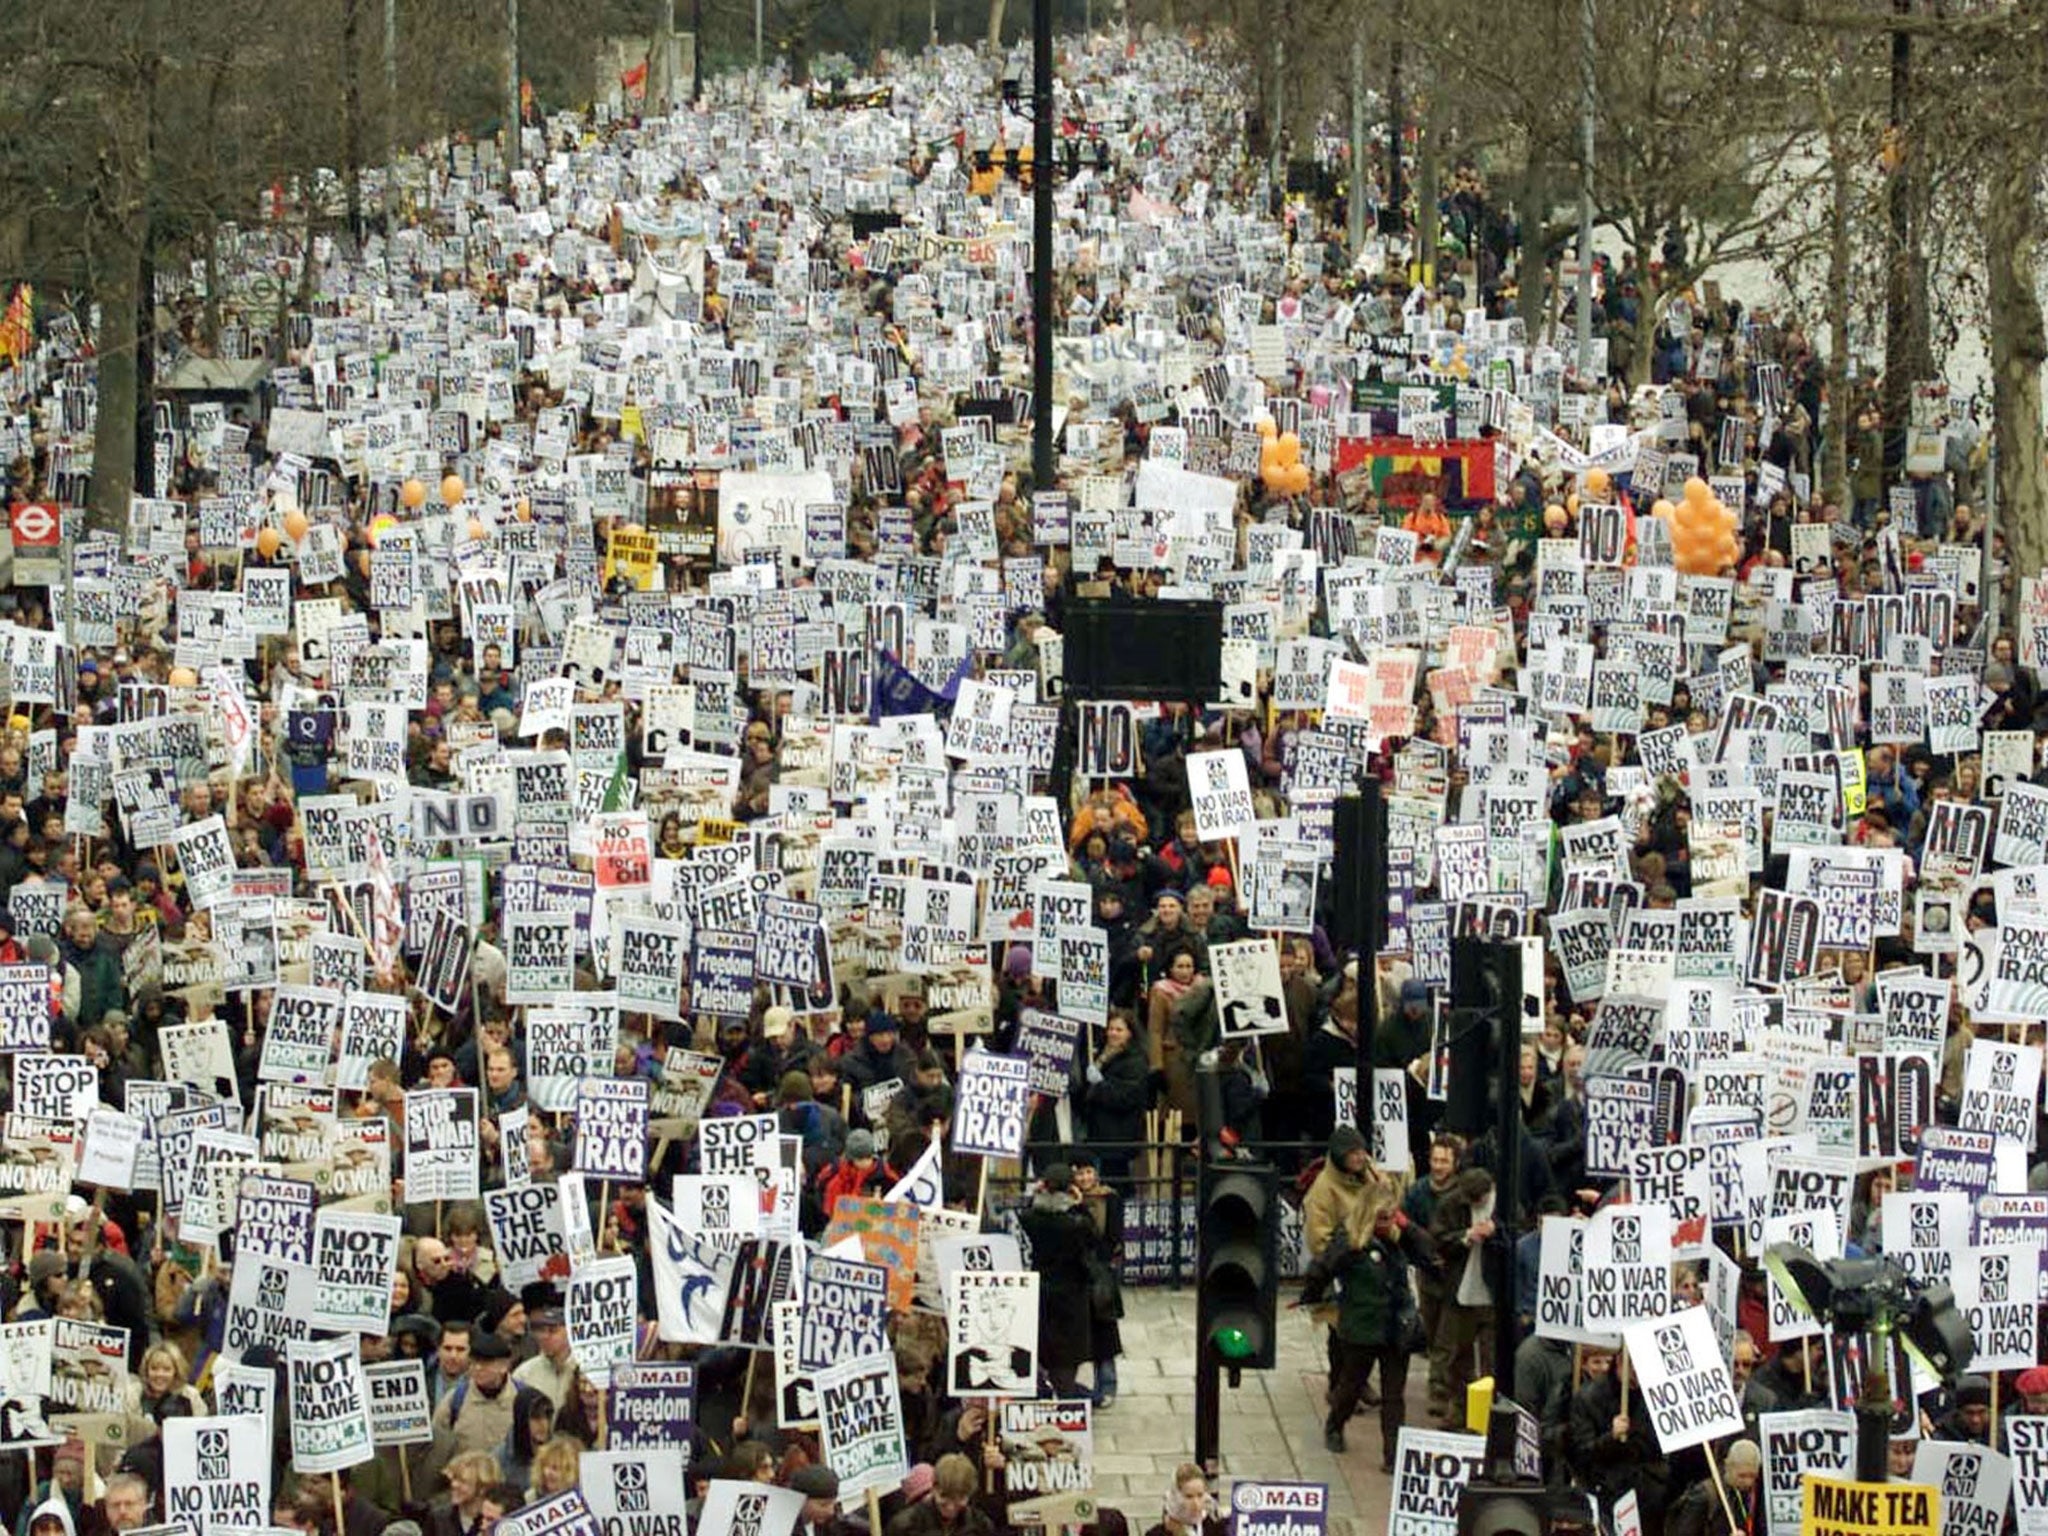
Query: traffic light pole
{"points": [[1507, 1196], [1208, 1409], [1371, 870]]}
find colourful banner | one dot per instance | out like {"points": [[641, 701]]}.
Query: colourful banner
{"points": [[1460, 474]]}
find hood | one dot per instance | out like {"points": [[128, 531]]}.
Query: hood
{"points": [[55, 1508]]}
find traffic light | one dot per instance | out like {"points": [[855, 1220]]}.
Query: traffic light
{"points": [[1237, 1258], [1482, 1033]]}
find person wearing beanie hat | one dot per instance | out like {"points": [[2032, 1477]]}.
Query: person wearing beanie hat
{"points": [[819, 1485], [859, 1171], [2033, 1388], [880, 1055], [804, 1110], [1970, 1420]]}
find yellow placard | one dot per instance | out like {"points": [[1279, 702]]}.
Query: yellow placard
{"points": [[631, 555], [1832, 1507], [1856, 789], [629, 423]]}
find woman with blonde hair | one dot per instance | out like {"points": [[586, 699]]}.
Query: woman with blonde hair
{"points": [[163, 1378], [470, 1476], [556, 1467]]}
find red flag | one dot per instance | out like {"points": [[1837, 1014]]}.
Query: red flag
{"points": [[635, 80]]}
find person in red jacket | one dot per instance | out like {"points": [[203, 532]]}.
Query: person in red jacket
{"points": [[860, 1172]]}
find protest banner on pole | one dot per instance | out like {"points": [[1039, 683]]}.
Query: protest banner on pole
{"points": [[860, 1419], [329, 1405]]}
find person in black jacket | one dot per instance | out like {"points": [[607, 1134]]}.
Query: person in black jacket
{"points": [[1126, 971], [1376, 1317], [1061, 1237], [1104, 1207], [1116, 1091], [1609, 1441], [782, 1049]]}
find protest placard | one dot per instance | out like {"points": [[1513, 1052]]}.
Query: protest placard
{"points": [[992, 1326], [652, 1403], [330, 1405], [860, 1418], [602, 1313], [355, 1255], [990, 1105], [400, 1411], [1684, 1379], [611, 1128], [1430, 1467], [217, 1472], [441, 1145]]}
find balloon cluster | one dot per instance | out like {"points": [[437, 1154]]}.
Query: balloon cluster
{"points": [[1280, 465], [1702, 531]]}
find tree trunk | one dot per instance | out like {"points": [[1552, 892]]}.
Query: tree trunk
{"points": [[1429, 163], [213, 280], [1646, 314], [352, 116], [2019, 347], [1841, 411], [113, 452], [995, 25], [1532, 272]]}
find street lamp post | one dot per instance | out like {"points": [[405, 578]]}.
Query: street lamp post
{"points": [[1041, 245]]}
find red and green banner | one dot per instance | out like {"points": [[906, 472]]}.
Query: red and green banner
{"points": [[1459, 474]]}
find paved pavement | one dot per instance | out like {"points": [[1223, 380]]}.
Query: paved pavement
{"points": [[1272, 1426]]}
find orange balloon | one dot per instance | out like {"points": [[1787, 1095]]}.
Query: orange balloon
{"points": [[184, 677], [523, 510], [296, 523], [267, 540], [452, 490], [476, 528], [1266, 427], [1571, 503], [1290, 446], [1661, 508], [1698, 490], [1598, 482], [413, 493]]}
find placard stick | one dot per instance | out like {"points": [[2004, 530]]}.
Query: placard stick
{"points": [[1994, 1406], [747, 1387], [1578, 1366], [340, 1524], [1714, 1467], [874, 1502], [604, 1206], [404, 1474], [980, 1194]]}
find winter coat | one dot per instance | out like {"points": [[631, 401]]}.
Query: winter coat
{"points": [[1061, 1236], [1377, 1298], [1338, 1200], [1113, 1109]]}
